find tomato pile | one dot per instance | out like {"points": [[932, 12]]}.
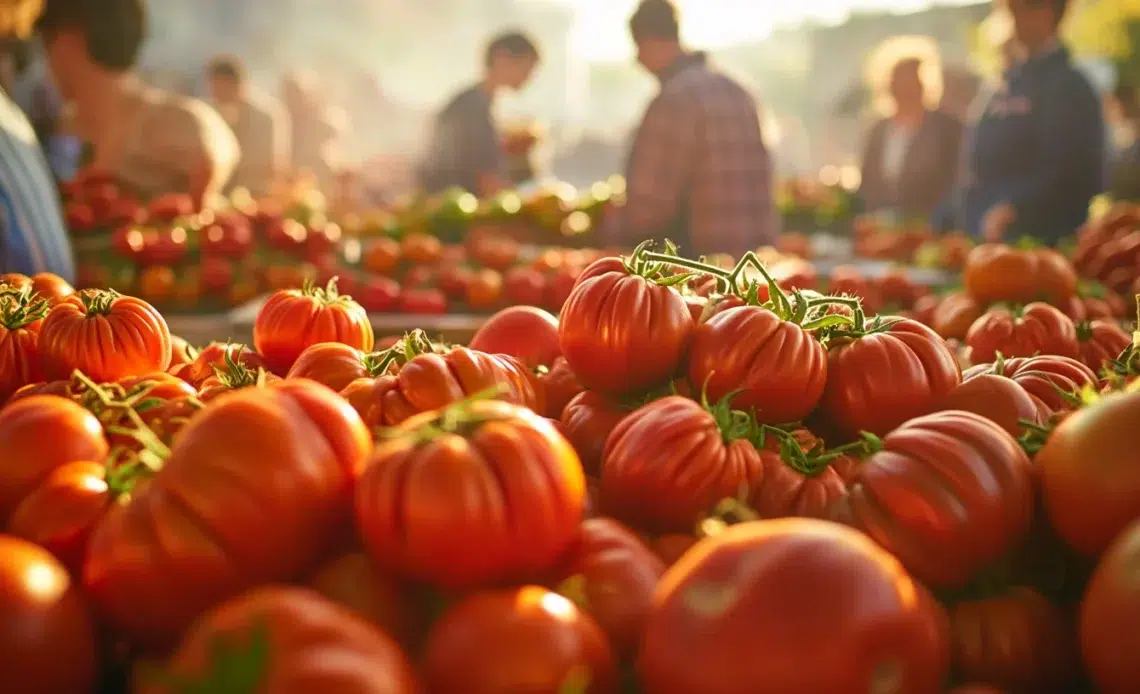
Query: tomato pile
{"points": [[693, 480]]}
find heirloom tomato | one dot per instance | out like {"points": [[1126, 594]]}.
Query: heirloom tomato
{"points": [[381, 256], [293, 319], [427, 302], [474, 494], [353, 581], [1052, 381], [525, 286], [794, 479], [283, 640], [45, 285], [254, 491], [526, 333], [954, 315], [970, 478], [588, 420], [47, 635], [518, 640], [1035, 329], [1109, 614], [180, 352], [336, 364], [20, 319], [997, 272], [218, 356], [105, 335], [882, 374], [1101, 342], [559, 387], [485, 290], [999, 399], [755, 609]]}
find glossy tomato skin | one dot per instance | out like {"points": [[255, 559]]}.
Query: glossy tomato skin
{"points": [[353, 581], [1038, 329], [622, 333], [39, 434], [19, 359], [214, 356], [997, 272], [47, 635], [753, 610], [1109, 614], [999, 399], [1090, 473], [524, 639], [588, 420], [954, 315], [972, 481], [315, 646], [667, 463], [526, 333], [209, 525], [110, 338], [294, 319], [775, 368], [878, 381], [1047, 379], [62, 512], [333, 364], [498, 502], [559, 387], [782, 491], [1101, 341]]}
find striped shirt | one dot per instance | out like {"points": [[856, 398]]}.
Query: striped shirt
{"points": [[32, 234]]}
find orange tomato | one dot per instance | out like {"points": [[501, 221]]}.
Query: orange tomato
{"points": [[485, 290], [20, 320], [381, 256], [294, 319], [156, 284], [421, 249], [63, 511]]}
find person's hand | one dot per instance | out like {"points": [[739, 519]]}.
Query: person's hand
{"points": [[997, 221]]}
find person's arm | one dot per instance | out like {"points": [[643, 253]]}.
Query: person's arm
{"points": [[211, 150]]}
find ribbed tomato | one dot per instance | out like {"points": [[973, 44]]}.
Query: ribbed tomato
{"points": [[794, 479], [1035, 329], [20, 319], [588, 420], [954, 315], [336, 364], [219, 356], [559, 387], [1050, 380], [999, 399], [1101, 342], [62, 512], [293, 319], [1109, 614]]}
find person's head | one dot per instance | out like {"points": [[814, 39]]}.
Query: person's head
{"points": [[1035, 22], [88, 37], [510, 60], [18, 17], [656, 31], [906, 85], [227, 79]]}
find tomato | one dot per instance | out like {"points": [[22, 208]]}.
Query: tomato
{"points": [[420, 249], [51, 287], [997, 398], [1101, 341], [558, 287], [559, 387], [21, 316], [526, 333], [753, 609], [210, 525], [156, 284], [977, 689], [169, 207], [379, 294], [1016, 640], [1108, 617], [671, 547], [1036, 329], [219, 355], [524, 286], [353, 581], [60, 514], [230, 236], [485, 290], [234, 376], [954, 315], [1050, 380], [47, 635], [335, 364], [426, 302], [794, 479], [294, 319], [881, 375], [381, 256], [181, 352], [996, 272], [1091, 473], [518, 640], [588, 419], [283, 640], [970, 478]]}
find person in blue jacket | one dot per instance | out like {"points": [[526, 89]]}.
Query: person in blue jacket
{"points": [[1035, 157]]}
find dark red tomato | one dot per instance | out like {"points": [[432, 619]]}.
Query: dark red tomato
{"points": [[771, 365], [623, 333], [454, 281], [795, 480], [526, 333], [47, 636], [379, 295], [753, 609], [63, 511], [423, 302], [588, 420], [1036, 329], [558, 287], [519, 640], [611, 575], [670, 462], [1109, 615], [893, 372], [999, 399], [672, 546], [525, 286], [1101, 341], [1050, 380], [977, 689], [1091, 473], [293, 319], [972, 482], [924, 308], [353, 581], [559, 387]]}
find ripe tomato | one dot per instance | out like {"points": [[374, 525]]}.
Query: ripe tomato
{"points": [[381, 256], [795, 479], [1108, 617], [997, 272], [1091, 473], [60, 514], [181, 352], [283, 639], [1050, 380], [1101, 341], [518, 640], [670, 462], [453, 281], [51, 287], [623, 332], [970, 478], [47, 636], [880, 376], [510, 508], [524, 286], [526, 333], [558, 287], [219, 355], [20, 320], [294, 319], [420, 249], [751, 610], [353, 581], [379, 295], [588, 419], [1037, 329], [105, 335], [221, 527], [425, 302], [954, 315], [1016, 640], [485, 291], [559, 387], [156, 284], [335, 364], [999, 399]]}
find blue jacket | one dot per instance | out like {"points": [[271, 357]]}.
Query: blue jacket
{"points": [[1039, 145]]}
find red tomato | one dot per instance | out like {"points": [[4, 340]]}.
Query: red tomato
{"points": [[1109, 613], [525, 286], [47, 636], [454, 281], [294, 319], [105, 335], [752, 610], [1037, 329], [334, 364], [380, 295], [518, 640], [353, 581], [1050, 380], [485, 291], [588, 419], [426, 302], [381, 256], [220, 356], [63, 511], [795, 479], [622, 333], [880, 378], [526, 333], [513, 497], [559, 387], [558, 287], [289, 641], [20, 319], [954, 315], [181, 352], [51, 287], [999, 399], [1101, 341], [977, 689], [209, 525]]}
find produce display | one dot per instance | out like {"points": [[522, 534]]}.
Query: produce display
{"points": [[699, 477]]}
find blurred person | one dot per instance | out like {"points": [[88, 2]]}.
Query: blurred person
{"points": [[317, 129], [258, 121], [1124, 169], [699, 171], [32, 234], [910, 161], [152, 141], [465, 148], [1035, 158], [960, 89]]}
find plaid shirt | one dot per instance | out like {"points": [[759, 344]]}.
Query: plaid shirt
{"points": [[699, 171]]}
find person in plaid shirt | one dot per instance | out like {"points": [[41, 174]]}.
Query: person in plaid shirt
{"points": [[699, 172]]}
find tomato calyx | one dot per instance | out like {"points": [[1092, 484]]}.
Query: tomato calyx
{"points": [[234, 666], [859, 326], [123, 471], [410, 346], [98, 302], [814, 461], [326, 295], [734, 425], [654, 267], [20, 308], [234, 374], [118, 410]]}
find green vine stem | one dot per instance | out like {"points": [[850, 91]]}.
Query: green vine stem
{"points": [[233, 666], [1035, 436], [646, 264], [410, 346], [234, 374], [154, 452], [809, 463], [457, 418], [326, 295], [21, 308]]}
